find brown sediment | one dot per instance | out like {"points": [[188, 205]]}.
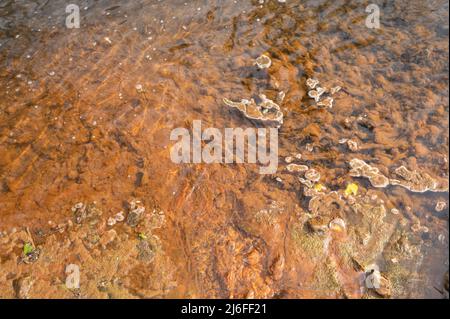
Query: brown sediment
{"points": [[86, 116]]}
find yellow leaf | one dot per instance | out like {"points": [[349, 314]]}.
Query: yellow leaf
{"points": [[28, 248], [142, 236], [319, 187], [352, 189]]}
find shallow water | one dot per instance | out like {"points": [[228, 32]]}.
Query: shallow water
{"points": [[74, 128]]}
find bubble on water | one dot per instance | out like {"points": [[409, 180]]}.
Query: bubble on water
{"points": [[316, 94], [418, 182], [335, 89], [359, 168], [327, 102], [136, 213], [296, 168], [312, 83], [266, 111]]}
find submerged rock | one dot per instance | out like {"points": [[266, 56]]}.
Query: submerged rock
{"points": [[312, 83], [85, 212], [135, 214], [79, 211], [145, 251], [376, 282]]}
